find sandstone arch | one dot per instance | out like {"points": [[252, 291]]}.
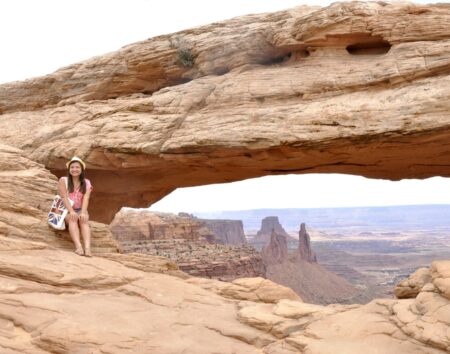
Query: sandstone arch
{"points": [[243, 112]]}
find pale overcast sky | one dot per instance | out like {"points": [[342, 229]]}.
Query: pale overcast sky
{"points": [[40, 36]]}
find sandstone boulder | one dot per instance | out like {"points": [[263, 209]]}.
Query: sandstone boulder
{"points": [[252, 289], [410, 287], [440, 273], [427, 318]]}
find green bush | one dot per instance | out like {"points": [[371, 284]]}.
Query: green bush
{"points": [[184, 51]]}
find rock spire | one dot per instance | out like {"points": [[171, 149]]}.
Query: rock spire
{"points": [[276, 251], [304, 246]]}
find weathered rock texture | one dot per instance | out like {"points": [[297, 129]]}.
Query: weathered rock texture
{"points": [[229, 232], [427, 317], [187, 241], [305, 252], [356, 87], [90, 303], [409, 288]]}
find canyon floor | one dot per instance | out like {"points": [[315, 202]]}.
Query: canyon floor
{"points": [[378, 259]]}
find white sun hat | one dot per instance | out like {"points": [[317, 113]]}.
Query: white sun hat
{"points": [[76, 158]]}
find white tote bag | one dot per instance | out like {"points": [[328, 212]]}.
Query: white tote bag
{"points": [[58, 212]]}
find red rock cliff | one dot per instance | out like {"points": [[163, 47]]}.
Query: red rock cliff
{"points": [[186, 241], [228, 232]]}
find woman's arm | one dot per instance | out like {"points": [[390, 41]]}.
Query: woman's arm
{"points": [[84, 216]]}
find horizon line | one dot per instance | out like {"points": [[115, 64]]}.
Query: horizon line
{"points": [[303, 208]]}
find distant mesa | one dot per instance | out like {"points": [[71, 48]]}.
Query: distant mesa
{"points": [[269, 224], [228, 232]]}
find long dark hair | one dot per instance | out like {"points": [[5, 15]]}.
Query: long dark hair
{"points": [[70, 180]]}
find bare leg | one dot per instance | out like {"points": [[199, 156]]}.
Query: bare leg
{"points": [[74, 232], [86, 234]]}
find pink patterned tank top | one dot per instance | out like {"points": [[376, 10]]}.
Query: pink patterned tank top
{"points": [[76, 195]]}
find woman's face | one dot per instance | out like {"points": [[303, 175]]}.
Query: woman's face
{"points": [[75, 169]]}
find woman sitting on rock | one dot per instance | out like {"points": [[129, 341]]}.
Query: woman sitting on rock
{"points": [[78, 190]]}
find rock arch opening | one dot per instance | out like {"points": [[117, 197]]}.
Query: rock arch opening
{"points": [[366, 248]]}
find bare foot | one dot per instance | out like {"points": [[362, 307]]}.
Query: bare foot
{"points": [[87, 252], [79, 251]]}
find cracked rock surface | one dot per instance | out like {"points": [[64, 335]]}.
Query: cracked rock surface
{"points": [[53, 301]]}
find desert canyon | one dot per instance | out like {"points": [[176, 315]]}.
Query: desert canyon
{"points": [[357, 87]]}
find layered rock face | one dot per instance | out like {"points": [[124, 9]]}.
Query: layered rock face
{"points": [[304, 246], [370, 97], [90, 303], [229, 232], [140, 225], [187, 241]]}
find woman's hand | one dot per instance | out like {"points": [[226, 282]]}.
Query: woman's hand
{"points": [[84, 216], [73, 216]]}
